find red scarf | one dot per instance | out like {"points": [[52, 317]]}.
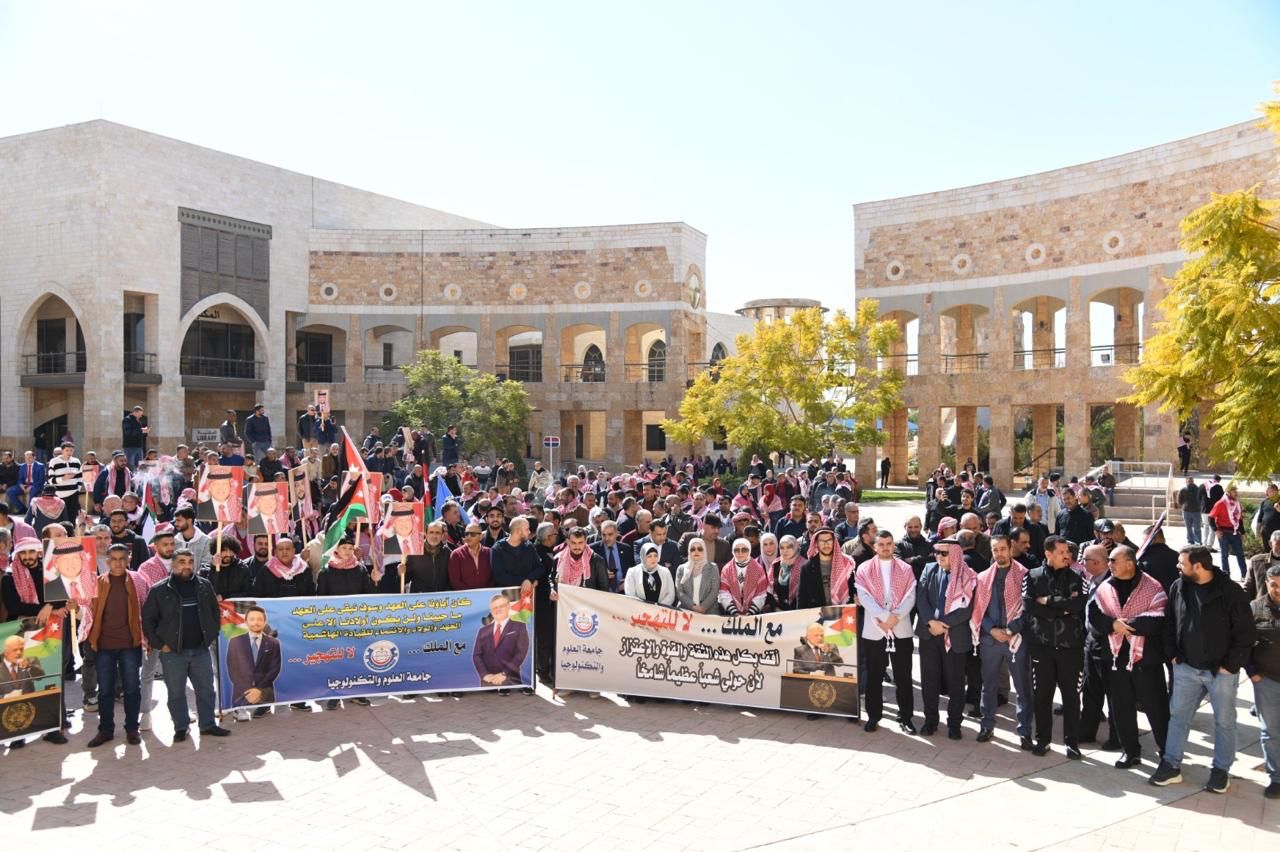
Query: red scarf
{"points": [[24, 583], [293, 569], [842, 568], [960, 587], [1012, 599], [570, 571], [1146, 599], [901, 577], [50, 507], [113, 476], [757, 584], [335, 563]]}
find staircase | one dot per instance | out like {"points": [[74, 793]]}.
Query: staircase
{"points": [[1144, 490]]}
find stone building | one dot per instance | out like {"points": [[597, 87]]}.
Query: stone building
{"points": [[138, 269], [1023, 301]]}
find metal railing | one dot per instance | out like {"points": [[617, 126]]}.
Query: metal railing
{"points": [[140, 362], [1039, 359], [974, 363], [220, 368], [326, 373], [908, 365], [1157, 476], [380, 374], [53, 363], [653, 371], [530, 373], [588, 373], [1120, 353]]}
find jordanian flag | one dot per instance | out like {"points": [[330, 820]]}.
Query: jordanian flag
{"points": [[232, 621], [843, 630], [353, 503], [522, 610]]}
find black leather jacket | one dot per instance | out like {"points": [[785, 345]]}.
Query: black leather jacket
{"points": [[1059, 622]]}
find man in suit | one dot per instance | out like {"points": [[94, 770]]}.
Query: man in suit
{"points": [[30, 482], [618, 557], [253, 662], [500, 647], [813, 656], [668, 550], [222, 505], [18, 673]]}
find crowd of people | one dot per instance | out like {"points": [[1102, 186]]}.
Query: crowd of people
{"points": [[1045, 594]]}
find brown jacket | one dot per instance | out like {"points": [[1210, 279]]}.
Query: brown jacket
{"points": [[137, 588]]}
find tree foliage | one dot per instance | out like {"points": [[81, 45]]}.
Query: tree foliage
{"points": [[795, 386], [1219, 339], [490, 415]]}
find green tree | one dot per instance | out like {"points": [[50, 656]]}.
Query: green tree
{"points": [[808, 386], [1220, 336], [490, 415]]}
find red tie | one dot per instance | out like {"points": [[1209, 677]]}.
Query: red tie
{"points": [[497, 634]]}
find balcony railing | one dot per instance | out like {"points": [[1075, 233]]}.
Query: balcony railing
{"points": [[1120, 353], [140, 362], [325, 373], [53, 363], [652, 371], [908, 365], [589, 373], [530, 373], [383, 375], [220, 368], [1039, 359], [974, 363]]}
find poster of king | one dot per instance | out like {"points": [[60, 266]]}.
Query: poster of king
{"points": [[30, 678]]}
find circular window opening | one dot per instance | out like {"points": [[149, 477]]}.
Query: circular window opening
{"points": [[894, 270], [453, 292], [387, 292], [1113, 242], [961, 263], [329, 291]]}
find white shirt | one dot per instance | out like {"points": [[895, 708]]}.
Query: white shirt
{"points": [[875, 609], [886, 574], [697, 583]]}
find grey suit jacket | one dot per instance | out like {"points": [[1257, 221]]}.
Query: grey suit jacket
{"points": [[709, 592]]}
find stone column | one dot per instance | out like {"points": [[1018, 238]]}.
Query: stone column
{"points": [[1076, 426], [930, 438], [550, 353], [101, 405], [1078, 354], [167, 408], [866, 466], [273, 395], [897, 448], [928, 339], [1002, 342], [1128, 432], [1042, 333], [1159, 428], [1001, 439], [966, 434], [355, 353], [486, 361], [1044, 436]]}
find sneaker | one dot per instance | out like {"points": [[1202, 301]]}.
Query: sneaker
{"points": [[1218, 781], [301, 706], [91, 707], [144, 723], [260, 712], [242, 715], [1165, 775]]}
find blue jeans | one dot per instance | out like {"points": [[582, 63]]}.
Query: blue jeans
{"points": [[1266, 694], [992, 654], [133, 455], [259, 450], [1189, 687], [128, 663], [1231, 543], [180, 666], [1191, 520], [17, 503]]}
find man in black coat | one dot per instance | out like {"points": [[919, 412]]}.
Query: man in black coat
{"points": [[1054, 598]]}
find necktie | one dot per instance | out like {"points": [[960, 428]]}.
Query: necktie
{"points": [[497, 634], [29, 474], [255, 651]]}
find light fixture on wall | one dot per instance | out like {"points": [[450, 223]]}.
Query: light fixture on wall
{"points": [[1043, 325]]}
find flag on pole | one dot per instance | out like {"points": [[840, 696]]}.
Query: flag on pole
{"points": [[1155, 530], [149, 511], [443, 495], [352, 505]]}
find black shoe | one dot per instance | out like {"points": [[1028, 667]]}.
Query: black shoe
{"points": [[1112, 744], [1025, 744], [331, 704], [929, 729], [888, 678], [179, 736], [871, 726], [1165, 775], [17, 744], [907, 727], [363, 702], [984, 736], [1218, 782], [1057, 711], [953, 733], [262, 711], [1040, 749], [301, 705], [100, 738], [1128, 761], [215, 731], [55, 737], [1002, 700], [1073, 753], [1273, 790], [528, 690], [505, 692], [974, 712], [813, 716], [133, 738]]}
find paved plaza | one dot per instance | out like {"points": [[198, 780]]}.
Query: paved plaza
{"points": [[526, 772]]}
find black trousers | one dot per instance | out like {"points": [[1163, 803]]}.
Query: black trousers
{"points": [[941, 671], [879, 658], [1093, 693], [1055, 668], [972, 680], [1125, 690]]}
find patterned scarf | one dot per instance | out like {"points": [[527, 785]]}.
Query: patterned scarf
{"points": [[960, 587], [113, 478], [334, 563], [293, 569], [902, 578], [842, 568], [51, 507], [1146, 599], [1012, 599], [573, 571], [154, 569], [1234, 511], [757, 584], [23, 581]]}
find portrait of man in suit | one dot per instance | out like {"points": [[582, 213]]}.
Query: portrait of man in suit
{"points": [[253, 661], [813, 656], [268, 502], [18, 672], [68, 562], [500, 646], [219, 494]]}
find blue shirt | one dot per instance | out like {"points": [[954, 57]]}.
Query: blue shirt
{"points": [[995, 614], [944, 577]]}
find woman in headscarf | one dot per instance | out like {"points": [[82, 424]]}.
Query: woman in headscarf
{"points": [[744, 585], [770, 504], [786, 572], [652, 583], [743, 502], [697, 581]]}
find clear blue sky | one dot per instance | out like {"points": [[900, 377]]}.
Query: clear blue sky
{"points": [[760, 124]]}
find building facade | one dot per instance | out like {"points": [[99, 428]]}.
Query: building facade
{"points": [[1023, 301], [138, 269]]}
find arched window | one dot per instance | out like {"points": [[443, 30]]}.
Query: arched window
{"points": [[593, 364], [657, 361], [718, 354]]}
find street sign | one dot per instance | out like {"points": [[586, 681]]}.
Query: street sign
{"points": [[204, 436], [551, 441]]}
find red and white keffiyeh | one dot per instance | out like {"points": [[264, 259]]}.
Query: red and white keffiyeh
{"points": [[960, 588], [113, 478], [293, 569], [23, 582], [901, 579], [1012, 598], [842, 567], [744, 594], [1146, 600], [571, 571]]}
